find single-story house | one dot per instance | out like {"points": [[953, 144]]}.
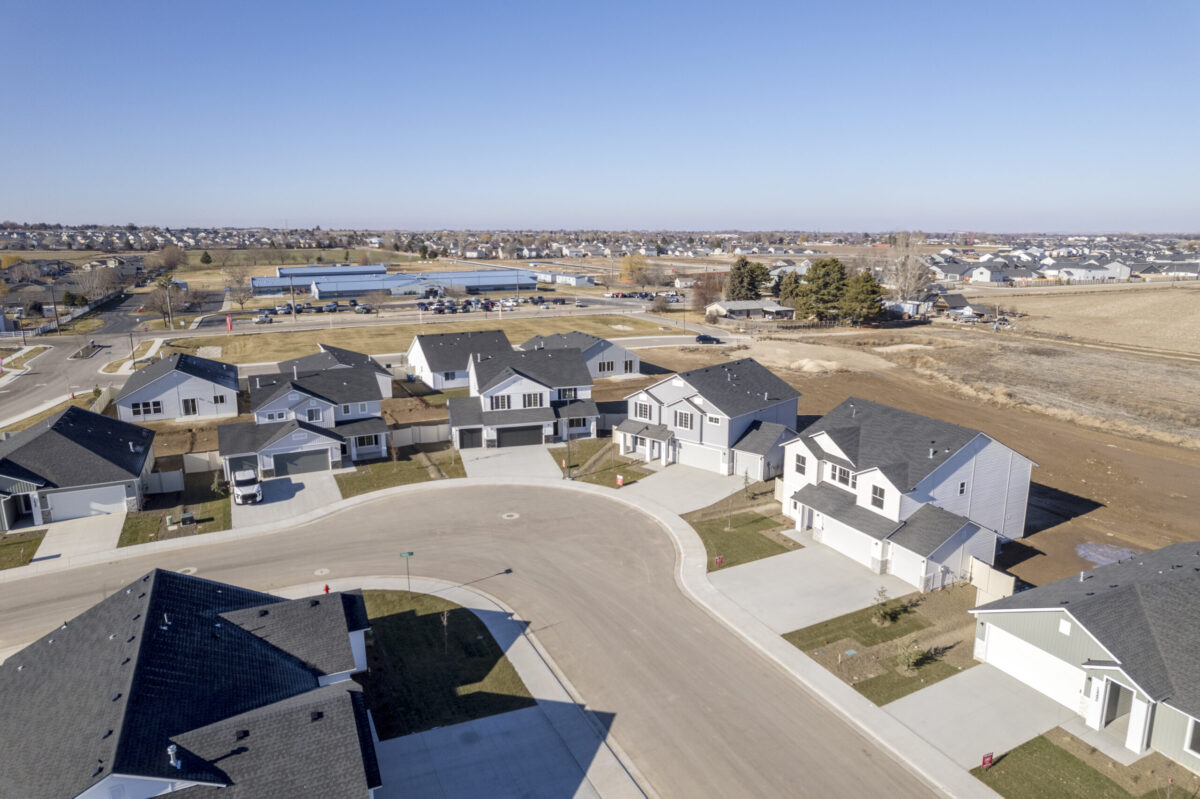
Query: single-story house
{"points": [[603, 357], [74, 464], [749, 309], [440, 359], [177, 684], [179, 387], [1117, 645], [276, 449]]}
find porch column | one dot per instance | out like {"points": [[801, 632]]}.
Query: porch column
{"points": [[665, 453], [1140, 714]]}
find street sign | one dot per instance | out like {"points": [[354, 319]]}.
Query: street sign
{"points": [[987, 760], [406, 554]]}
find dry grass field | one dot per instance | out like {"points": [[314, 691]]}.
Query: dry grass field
{"points": [[1155, 317]]}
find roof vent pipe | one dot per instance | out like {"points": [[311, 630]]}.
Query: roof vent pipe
{"points": [[295, 374], [131, 446], [1081, 574], [171, 750]]}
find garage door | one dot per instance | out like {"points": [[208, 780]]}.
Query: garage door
{"points": [[300, 462], [241, 463], [88, 502], [518, 436], [469, 439], [1035, 667], [699, 456]]}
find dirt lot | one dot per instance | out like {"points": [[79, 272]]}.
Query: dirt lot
{"points": [[177, 438], [1156, 316]]}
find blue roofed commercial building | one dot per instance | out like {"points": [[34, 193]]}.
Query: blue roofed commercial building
{"points": [[342, 280]]}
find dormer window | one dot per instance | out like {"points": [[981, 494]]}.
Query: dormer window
{"points": [[568, 393], [844, 476], [500, 402], [877, 494]]}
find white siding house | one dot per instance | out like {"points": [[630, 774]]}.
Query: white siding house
{"points": [[179, 387]]}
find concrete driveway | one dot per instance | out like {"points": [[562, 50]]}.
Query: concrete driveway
{"points": [[531, 461], [978, 711], [685, 488], [797, 589], [81, 536], [285, 497]]}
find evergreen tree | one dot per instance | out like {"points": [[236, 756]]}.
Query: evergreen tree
{"points": [[789, 287], [862, 300], [206, 259], [821, 291], [743, 281]]}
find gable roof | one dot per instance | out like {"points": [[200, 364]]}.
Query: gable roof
{"points": [[75, 448], [108, 691], [1142, 610], [336, 386], [450, 352], [239, 438], [761, 437], [738, 387], [563, 341], [896, 442], [222, 374], [553, 368], [329, 358]]}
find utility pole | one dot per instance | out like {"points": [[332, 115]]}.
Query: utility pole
{"points": [[292, 296]]}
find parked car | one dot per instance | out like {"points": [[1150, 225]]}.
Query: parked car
{"points": [[437, 309], [559, 301], [353, 303], [246, 487], [704, 338], [451, 309], [363, 308], [263, 319], [422, 306], [545, 307], [579, 304]]}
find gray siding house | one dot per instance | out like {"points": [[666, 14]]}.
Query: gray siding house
{"points": [[179, 387], [603, 357], [730, 418], [74, 464], [904, 494], [440, 359], [331, 357], [1116, 645]]}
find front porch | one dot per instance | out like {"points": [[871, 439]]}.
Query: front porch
{"points": [[653, 442]]}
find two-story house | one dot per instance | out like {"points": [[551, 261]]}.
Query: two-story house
{"points": [[440, 359], [904, 494], [521, 398], [331, 357], [604, 358], [307, 422], [179, 387], [731, 418]]}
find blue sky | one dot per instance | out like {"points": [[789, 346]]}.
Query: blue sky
{"points": [[1054, 116]]}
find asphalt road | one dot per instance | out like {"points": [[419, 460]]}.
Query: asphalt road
{"points": [[698, 711]]}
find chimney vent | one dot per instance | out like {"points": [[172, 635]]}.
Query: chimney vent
{"points": [[171, 750], [316, 715], [295, 373]]}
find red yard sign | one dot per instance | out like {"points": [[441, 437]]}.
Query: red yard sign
{"points": [[620, 481], [987, 760], [228, 323]]}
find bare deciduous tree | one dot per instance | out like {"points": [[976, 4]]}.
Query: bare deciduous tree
{"points": [[172, 256], [906, 272], [707, 290], [237, 286], [95, 283]]}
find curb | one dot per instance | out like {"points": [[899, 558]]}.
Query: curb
{"points": [[898, 741]]}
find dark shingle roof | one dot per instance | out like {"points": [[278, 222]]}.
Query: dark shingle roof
{"points": [[449, 352], [329, 358], [314, 629], [657, 432], [223, 374], [466, 412], [552, 368], [841, 505], [1142, 610], [76, 448], [896, 442], [761, 437], [927, 529], [243, 437], [338, 386], [108, 691], [739, 387], [563, 341], [361, 427]]}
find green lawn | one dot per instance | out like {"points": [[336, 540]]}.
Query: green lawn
{"points": [[859, 625], [422, 675], [581, 450], [742, 543], [1038, 769], [17, 549], [210, 510], [406, 469], [440, 398], [892, 685]]}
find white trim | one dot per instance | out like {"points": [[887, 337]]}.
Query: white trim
{"points": [[1053, 610]]}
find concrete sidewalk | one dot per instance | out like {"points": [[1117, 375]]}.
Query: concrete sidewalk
{"points": [[556, 749]]}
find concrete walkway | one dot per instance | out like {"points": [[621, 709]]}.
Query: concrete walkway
{"points": [[682, 488], [940, 771], [510, 462], [89, 535], [555, 750]]}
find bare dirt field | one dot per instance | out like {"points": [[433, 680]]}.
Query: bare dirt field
{"points": [[1155, 316]]}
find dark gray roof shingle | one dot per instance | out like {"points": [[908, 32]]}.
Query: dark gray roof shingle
{"points": [[927, 529], [449, 352], [739, 387], [563, 341], [553, 368], [76, 448], [329, 357], [337, 386], [762, 437], [240, 438], [223, 374]]}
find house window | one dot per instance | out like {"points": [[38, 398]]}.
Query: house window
{"points": [[801, 463], [568, 393], [365, 441], [577, 422], [532, 400], [189, 407], [641, 410], [1064, 626], [345, 410], [877, 496], [147, 408], [962, 488], [714, 420], [500, 402], [362, 407], [605, 366], [448, 375], [683, 420], [1193, 739], [844, 477], [218, 399], [628, 367], [314, 414]]}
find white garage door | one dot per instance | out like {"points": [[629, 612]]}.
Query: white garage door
{"points": [[1035, 667], [846, 540], [701, 457], [87, 502]]}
